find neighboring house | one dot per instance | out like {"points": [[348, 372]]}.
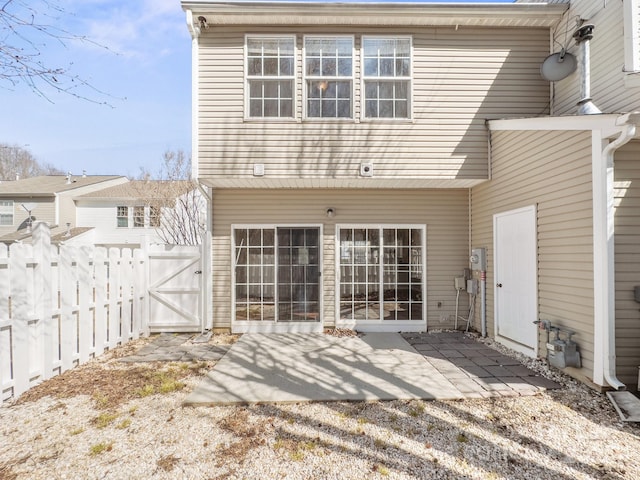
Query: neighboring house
{"points": [[49, 198], [356, 154], [131, 213]]}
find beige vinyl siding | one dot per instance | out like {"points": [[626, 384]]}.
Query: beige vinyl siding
{"points": [[43, 211], [460, 78], [608, 89], [627, 248], [551, 170], [444, 212]]}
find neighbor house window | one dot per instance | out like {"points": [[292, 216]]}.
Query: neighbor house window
{"points": [[123, 216], [387, 76], [6, 212], [328, 69], [270, 76], [138, 217], [154, 216]]}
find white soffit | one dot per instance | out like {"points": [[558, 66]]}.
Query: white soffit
{"points": [[377, 13], [608, 124]]}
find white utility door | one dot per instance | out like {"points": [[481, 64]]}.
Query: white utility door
{"points": [[516, 292], [175, 276]]}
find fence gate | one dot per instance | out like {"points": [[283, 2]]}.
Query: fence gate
{"points": [[175, 280]]}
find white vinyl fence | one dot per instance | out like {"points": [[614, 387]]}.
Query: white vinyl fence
{"points": [[61, 306]]}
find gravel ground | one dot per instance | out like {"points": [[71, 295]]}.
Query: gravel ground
{"points": [[110, 420]]}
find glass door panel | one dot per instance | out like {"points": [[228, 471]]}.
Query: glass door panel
{"points": [[298, 274], [381, 274]]}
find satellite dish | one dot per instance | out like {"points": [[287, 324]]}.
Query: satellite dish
{"points": [[29, 206], [558, 66]]}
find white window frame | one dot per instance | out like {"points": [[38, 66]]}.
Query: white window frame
{"points": [[381, 325], [631, 9], [118, 216], [306, 78], [136, 216], [247, 78], [7, 208], [364, 78], [269, 326]]}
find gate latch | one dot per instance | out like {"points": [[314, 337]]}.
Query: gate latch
{"points": [[198, 272]]}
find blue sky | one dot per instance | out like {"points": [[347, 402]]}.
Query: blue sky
{"points": [[146, 71]]}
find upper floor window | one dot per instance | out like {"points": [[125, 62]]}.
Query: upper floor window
{"points": [[6, 213], [138, 216], [154, 216], [328, 68], [387, 76], [270, 76], [123, 216]]}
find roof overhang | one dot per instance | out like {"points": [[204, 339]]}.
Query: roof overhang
{"points": [[529, 15], [608, 124], [334, 183]]}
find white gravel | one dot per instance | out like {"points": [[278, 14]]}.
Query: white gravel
{"points": [[571, 433]]}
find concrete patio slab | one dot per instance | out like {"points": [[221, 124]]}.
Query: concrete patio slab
{"points": [[263, 368], [317, 367]]}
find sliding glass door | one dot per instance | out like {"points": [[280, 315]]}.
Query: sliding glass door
{"points": [[277, 274], [381, 274]]}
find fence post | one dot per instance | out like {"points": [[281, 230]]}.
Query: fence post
{"points": [[100, 299], [43, 295], [68, 287], [5, 325], [114, 297], [140, 323], [19, 256], [85, 323], [126, 276]]}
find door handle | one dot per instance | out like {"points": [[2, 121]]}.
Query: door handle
{"points": [[499, 285]]}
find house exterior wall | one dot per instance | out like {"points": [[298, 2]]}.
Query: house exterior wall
{"points": [[461, 77], [103, 217], [45, 210], [66, 205], [551, 170], [444, 212], [612, 89], [627, 265]]}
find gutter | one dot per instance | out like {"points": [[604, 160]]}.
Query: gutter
{"points": [[628, 123]]}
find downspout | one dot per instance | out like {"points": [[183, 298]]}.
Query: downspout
{"points": [[609, 332], [195, 29]]}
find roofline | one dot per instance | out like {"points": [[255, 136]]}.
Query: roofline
{"points": [[237, 12]]}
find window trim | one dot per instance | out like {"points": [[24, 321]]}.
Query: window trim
{"points": [[352, 79], [293, 78], [385, 325], [10, 205], [136, 216], [269, 325], [409, 79], [118, 216]]}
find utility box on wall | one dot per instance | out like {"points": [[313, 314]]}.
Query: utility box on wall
{"points": [[478, 259]]}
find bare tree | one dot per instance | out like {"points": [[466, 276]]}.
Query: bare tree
{"points": [[175, 199], [27, 27], [17, 162]]}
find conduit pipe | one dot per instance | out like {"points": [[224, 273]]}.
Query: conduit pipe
{"points": [[609, 337]]}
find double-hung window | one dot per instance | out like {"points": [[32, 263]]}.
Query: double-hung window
{"points": [[6, 213], [122, 216], [138, 216], [271, 76], [387, 77], [328, 69]]}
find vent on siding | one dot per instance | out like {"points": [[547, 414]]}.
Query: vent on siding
{"points": [[583, 38]]}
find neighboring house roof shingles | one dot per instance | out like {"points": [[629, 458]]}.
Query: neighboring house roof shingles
{"points": [[49, 185], [140, 190]]}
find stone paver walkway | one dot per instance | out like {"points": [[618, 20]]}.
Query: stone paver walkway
{"points": [[177, 348], [475, 369]]}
